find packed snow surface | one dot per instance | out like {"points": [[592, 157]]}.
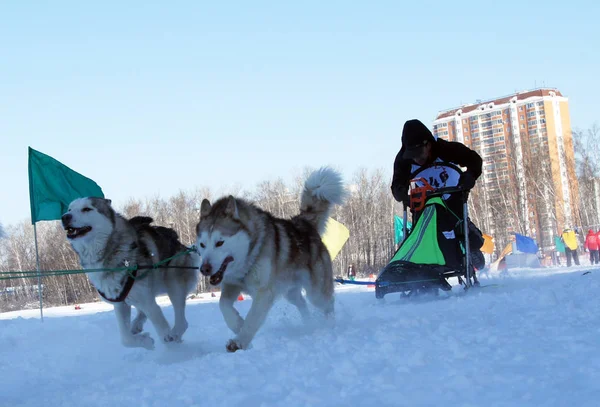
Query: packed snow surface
{"points": [[530, 338]]}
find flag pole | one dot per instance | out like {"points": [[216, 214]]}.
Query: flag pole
{"points": [[39, 274], [49, 198]]}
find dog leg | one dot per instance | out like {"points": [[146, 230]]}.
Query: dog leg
{"points": [[177, 294], [295, 297], [128, 339], [156, 316], [320, 290], [323, 301], [137, 325], [256, 316], [229, 294]]}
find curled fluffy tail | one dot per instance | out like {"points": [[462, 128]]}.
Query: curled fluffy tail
{"points": [[322, 189]]}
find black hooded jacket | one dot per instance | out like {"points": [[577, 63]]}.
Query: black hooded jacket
{"points": [[448, 151]]}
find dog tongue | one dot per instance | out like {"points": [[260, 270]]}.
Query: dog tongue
{"points": [[216, 278]]}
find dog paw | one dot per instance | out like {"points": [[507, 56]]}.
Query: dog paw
{"points": [[141, 340], [145, 340], [172, 337], [137, 325], [176, 333], [233, 346], [137, 328]]}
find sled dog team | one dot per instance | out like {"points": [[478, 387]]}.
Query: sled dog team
{"points": [[240, 246]]}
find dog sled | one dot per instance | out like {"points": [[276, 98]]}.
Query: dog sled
{"points": [[438, 245]]}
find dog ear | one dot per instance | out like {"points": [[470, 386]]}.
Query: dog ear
{"points": [[231, 209], [204, 208]]}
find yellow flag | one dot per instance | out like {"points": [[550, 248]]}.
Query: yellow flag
{"points": [[488, 244], [507, 250], [335, 237]]}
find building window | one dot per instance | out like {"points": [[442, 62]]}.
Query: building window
{"points": [[543, 121], [520, 108], [530, 105], [522, 117], [522, 125]]}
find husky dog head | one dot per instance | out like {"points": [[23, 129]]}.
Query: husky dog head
{"points": [[88, 219], [223, 239]]}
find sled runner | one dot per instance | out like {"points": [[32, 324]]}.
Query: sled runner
{"points": [[438, 245]]}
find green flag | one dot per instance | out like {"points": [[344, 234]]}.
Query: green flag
{"points": [[53, 185], [399, 229]]}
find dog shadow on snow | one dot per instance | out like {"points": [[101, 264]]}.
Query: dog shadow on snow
{"points": [[283, 321]]}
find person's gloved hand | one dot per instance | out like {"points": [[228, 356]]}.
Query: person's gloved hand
{"points": [[467, 181], [405, 197], [402, 196], [406, 201]]}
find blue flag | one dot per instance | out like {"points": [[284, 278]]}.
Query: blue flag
{"points": [[525, 244]]}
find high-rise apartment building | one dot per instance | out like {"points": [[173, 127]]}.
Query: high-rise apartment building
{"points": [[528, 183]]}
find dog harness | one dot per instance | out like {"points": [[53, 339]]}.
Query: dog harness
{"points": [[126, 288], [128, 282]]}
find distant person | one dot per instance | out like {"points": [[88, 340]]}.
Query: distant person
{"points": [[591, 244], [560, 248], [351, 272], [569, 238]]}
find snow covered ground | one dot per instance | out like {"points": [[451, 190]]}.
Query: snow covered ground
{"points": [[534, 340]]}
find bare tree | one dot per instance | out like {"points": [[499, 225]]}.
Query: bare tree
{"points": [[587, 160]]}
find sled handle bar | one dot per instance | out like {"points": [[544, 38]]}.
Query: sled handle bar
{"points": [[445, 190]]}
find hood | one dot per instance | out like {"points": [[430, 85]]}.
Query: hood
{"points": [[414, 136]]}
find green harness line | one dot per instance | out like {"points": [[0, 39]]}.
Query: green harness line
{"points": [[10, 275]]}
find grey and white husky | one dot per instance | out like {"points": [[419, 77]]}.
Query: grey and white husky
{"points": [[104, 239], [245, 248]]}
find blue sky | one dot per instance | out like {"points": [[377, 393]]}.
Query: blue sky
{"points": [[148, 98]]}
